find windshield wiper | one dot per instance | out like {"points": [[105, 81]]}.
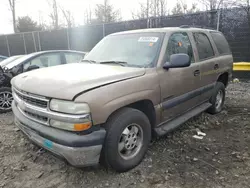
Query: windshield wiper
{"points": [[87, 60], [122, 63]]}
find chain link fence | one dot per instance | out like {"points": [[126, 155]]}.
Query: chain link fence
{"points": [[232, 22]]}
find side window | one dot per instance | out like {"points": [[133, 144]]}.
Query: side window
{"points": [[73, 57], [221, 43], [179, 43], [204, 46], [46, 60]]}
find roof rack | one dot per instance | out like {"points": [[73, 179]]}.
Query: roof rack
{"points": [[184, 26]]}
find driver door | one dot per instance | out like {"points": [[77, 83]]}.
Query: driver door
{"points": [[179, 86]]}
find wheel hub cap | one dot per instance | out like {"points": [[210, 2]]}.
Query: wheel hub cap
{"points": [[130, 141], [5, 100], [219, 99]]}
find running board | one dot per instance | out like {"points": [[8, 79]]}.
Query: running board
{"points": [[172, 124]]}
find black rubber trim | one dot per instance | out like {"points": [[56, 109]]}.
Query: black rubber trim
{"points": [[61, 137], [185, 97]]}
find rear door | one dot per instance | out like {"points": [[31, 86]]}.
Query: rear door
{"points": [[179, 86], [208, 63]]}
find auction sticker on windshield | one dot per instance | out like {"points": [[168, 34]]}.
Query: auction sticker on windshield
{"points": [[148, 39]]}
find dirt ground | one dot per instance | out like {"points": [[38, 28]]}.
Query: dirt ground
{"points": [[220, 159]]}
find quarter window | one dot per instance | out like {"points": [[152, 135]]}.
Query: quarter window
{"points": [[204, 46], [221, 43], [179, 43]]}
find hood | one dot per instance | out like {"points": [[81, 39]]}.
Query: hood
{"points": [[66, 81]]}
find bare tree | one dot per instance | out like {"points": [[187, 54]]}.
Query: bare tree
{"points": [[106, 13], [151, 8], [12, 4], [68, 17], [54, 14], [88, 15], [182, 8], [212, 4]]}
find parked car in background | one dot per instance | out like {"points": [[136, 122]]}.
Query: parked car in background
{"points": [[2, 58], [9, 60], [30, 62], [132, 83]]}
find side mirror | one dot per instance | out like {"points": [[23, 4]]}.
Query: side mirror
{"points": [[178, 61], [32, 67]]}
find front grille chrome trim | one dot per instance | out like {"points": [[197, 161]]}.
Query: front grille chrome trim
{"points": [[45, 112], [32, 96]]}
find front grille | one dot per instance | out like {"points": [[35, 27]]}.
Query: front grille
{"points": [[36, 117], [32, 100]]}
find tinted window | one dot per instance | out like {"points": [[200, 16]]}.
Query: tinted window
{"points": [[204, 46], [179, 43], [221, 43], [46, 60], [137, 49], [73, 57]]}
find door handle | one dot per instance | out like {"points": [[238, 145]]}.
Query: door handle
{"points": [[197, 73], [216, 66]]}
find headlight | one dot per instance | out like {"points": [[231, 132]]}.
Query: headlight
{"points": [[69, 107]]}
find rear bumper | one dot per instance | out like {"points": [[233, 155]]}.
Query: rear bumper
{"points": [[78, 150]]}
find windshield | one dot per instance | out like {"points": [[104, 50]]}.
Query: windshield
{"points": [[137, 49], [9, 60]]}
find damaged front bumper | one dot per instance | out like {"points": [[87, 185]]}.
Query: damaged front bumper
{"points": [[78, 150]]}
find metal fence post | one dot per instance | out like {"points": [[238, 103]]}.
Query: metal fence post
{"points": [[24, 44], [39, 42], [103, 30], [7, 42], [34, 41], [68, 38], [218, 19]]}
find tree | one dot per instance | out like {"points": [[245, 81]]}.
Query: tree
{"points": [[212, 4], [105, 13], [25, 24], [12, 4], [152, 8], [182, 8], [177, 9], [88, 16], [68, 17], [54, 14]]}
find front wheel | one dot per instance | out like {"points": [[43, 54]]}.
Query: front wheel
{"points": [[218, 99], [6, 99], [127, 140]]}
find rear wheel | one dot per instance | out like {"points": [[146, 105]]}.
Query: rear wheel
{"points": [[218, 99], [127, 140], [6, 99]]}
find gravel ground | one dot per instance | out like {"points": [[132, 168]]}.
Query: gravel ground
{"points": [[220, 159]]}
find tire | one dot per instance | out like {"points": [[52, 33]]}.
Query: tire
{"points": [[120, 123], [6, 99], [217, 107]]}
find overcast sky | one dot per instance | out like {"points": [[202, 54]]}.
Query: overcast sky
{"points": [[39, 10]]}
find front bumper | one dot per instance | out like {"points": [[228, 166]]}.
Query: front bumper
{"points": [[78, 150]]}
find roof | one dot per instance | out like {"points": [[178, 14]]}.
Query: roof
{"points": [[162, 30]]}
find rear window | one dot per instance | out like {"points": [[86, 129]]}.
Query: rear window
{"points": [[221, 43]]}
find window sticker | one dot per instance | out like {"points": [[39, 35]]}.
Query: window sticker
{"points": [[148, 39]]}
